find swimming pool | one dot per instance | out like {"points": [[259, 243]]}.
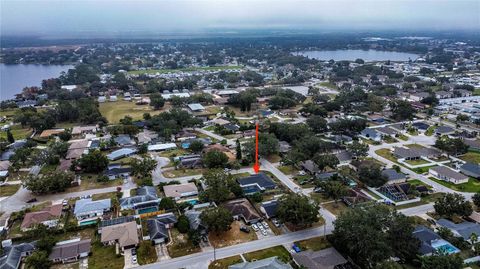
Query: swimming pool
{"points": [[445, 247]]}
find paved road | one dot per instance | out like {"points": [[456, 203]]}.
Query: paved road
{"points": [[201, 260]]}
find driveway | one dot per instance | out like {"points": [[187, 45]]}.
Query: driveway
{"points": [[162, 252], [128, 259]]}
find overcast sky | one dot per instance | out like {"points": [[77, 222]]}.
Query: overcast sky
{"points": [[53, 17]]}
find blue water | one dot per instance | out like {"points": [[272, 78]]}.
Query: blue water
{"points": [[15, 77], [352, 55], [447, 248]]}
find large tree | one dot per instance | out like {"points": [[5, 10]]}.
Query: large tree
{"points": [[442, 262], [267, 145], [318, 124], [217, 219], [453, 204], [93, 162], [143, 167], [38, 260], [334, 189], [373, 234], [48, 183], [325, 160], [371, 176], [220, 185], [402, 110], [157, 101], [215, 159], [297, 210], [453, 146], [358, 149]]}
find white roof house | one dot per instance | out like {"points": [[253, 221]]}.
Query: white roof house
{"points": [[161, 147], [196, 107]]}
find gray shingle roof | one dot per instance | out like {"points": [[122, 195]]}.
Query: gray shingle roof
{"points": [[87, 205]]}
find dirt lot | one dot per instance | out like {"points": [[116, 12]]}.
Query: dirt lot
{"points": [[232, 237]]}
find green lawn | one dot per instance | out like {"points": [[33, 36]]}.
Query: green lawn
{"points": [[114, 111], [313, 244], [224, 263], [173, 153], [472, 185], [472, 157], [403, 137], [187, 69], [430, 130], [278, 251], [336, 208], [8, 190], [328, 85], [18, 132], [417, 162], [183, 172], [387, 154], [422, 170], [288, 169], [416, 182], [146, 253], [320, 197], [104, 257]]}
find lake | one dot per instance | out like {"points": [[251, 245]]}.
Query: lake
{"points": [[14, 77], [352, 55]]}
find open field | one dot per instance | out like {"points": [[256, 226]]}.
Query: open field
{"points": [[335, 208], [114, 111], [104, 257], [181, 245], [187, 69]]}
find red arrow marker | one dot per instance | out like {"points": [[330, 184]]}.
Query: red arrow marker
{"points": [[256, 166]]}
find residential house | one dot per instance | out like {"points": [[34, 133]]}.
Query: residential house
{"points": [[387, 131], [447, 174], [471, 170], [415, 153], [344, 157], [12, 255], [180, 191], [196, 107], [270, 263], [146, 198], [114, 221], [121, 153], [420, 126], [70, 250], [4, 165], [419, 96], [48, 216], [310, 167], [443, 94], [115, 171], [146, 136], [444, 130], [284, 147], [394, 176], [431, 243], [77, 148], [242, 209], [123, 234], [88, 211], [162, 147], [328, 258], [464, 229], [124, 140], [256, 183], [185, 135], [371, 134], [472, 143], [221, 148], [82, 131], [195, 221], [269, 208], [158, 227]]}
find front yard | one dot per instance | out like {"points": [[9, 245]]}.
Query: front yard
{"points": [[471, 157], [224, 263], [387, 154], [417, 162], [89, 182], [313, 244], [183, 172], [278, 251], [8, 190], [232, 237], [181, 245], [472, 185], [288, 169], [146, 253], [336, 208], [104, 257]]}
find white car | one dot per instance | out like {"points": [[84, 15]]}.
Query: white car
{"points": [[255, 227], [265, 224], [264, 232], [276, 223], [134, 259]]}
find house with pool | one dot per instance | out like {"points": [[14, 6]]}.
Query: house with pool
{"points": [[431, 243]]}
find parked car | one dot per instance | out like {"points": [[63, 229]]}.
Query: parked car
{"points": [[33, 200], [134, 251], [276, 223], [296, 248], [260, 226], [244, 229], [134, 259], [265, 224], [255, 227], [264, 232]]}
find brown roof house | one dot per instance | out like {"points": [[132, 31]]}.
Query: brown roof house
{"points": [[243, 209], [179, 191], [48, 216], [123, 234], [70, 250]]}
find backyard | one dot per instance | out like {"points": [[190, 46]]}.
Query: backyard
{"points": [[471, 157]]}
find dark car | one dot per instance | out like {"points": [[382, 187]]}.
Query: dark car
{"points": [[134, 251], [245, 229], [33, 200]]}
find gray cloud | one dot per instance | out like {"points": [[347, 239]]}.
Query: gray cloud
{"points": [[49, 17]]}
